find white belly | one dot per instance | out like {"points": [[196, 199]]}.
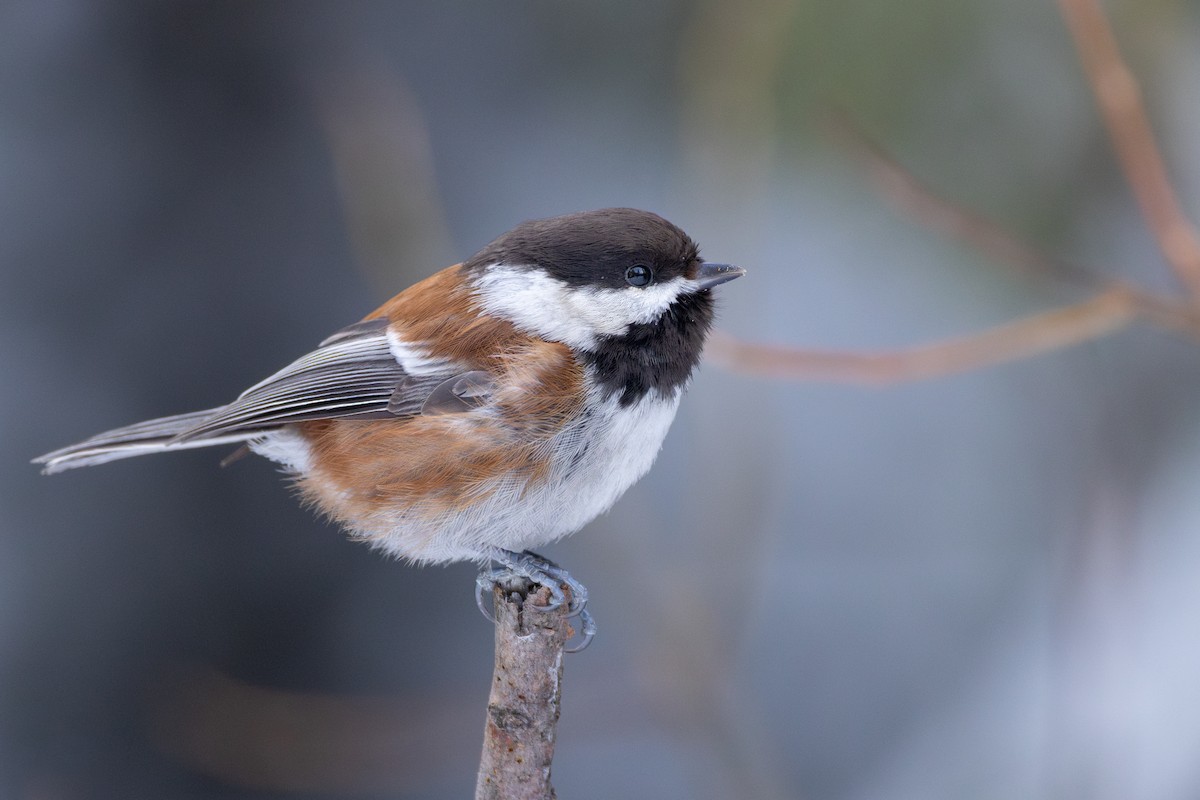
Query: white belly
{"points": [[595, 461]]}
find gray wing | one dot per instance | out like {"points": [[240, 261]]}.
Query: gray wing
{"points": [[352, 374]]}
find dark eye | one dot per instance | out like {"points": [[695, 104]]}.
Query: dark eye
{"points": [[638, 275]]}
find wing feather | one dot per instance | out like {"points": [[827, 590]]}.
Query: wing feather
{"points": [[353, 373]]}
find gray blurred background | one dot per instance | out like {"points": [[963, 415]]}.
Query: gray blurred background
{"points": [[982, 586]]}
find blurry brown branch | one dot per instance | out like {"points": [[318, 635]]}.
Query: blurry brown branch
{"points": [[914, 198], [1114, 308], [1120, 102], [1040, 333], [522, 711]]}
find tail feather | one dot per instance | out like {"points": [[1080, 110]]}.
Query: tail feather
{"points": [[151, 436]]}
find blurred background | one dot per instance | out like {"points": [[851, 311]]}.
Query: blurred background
{"points": [[980, 585]]}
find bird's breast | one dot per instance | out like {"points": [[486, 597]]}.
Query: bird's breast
{"points": [[613, 446]]}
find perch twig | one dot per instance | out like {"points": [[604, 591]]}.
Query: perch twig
{"points": [[523, 709]]}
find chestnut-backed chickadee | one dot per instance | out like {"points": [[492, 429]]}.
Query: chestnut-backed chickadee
{"points": [[498, 405]]}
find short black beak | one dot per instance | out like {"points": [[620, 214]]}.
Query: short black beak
{"points": [[710, 275]]}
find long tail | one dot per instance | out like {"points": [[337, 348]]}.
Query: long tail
{"points": [[151, 436]]}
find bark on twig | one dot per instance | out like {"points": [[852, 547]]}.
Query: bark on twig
{"points": [[522, 712]]}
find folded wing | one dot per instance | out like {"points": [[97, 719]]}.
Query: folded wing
{"points": [[352, 374]]}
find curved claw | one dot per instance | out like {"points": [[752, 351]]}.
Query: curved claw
{"points": [[483, 589], [587, 631]]}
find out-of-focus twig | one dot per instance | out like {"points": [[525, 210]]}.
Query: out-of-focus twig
{"points": [[1120, 102], [914, 198], [1116, 305], [1040, 333]]}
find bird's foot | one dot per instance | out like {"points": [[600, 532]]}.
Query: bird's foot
{"points": [[517, 572]]}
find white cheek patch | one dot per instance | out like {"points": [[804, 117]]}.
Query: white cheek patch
{"points": [[535, 303], [630, 304], [576, 316]]}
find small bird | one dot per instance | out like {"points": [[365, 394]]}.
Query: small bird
{"points": [[494, 407]]}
